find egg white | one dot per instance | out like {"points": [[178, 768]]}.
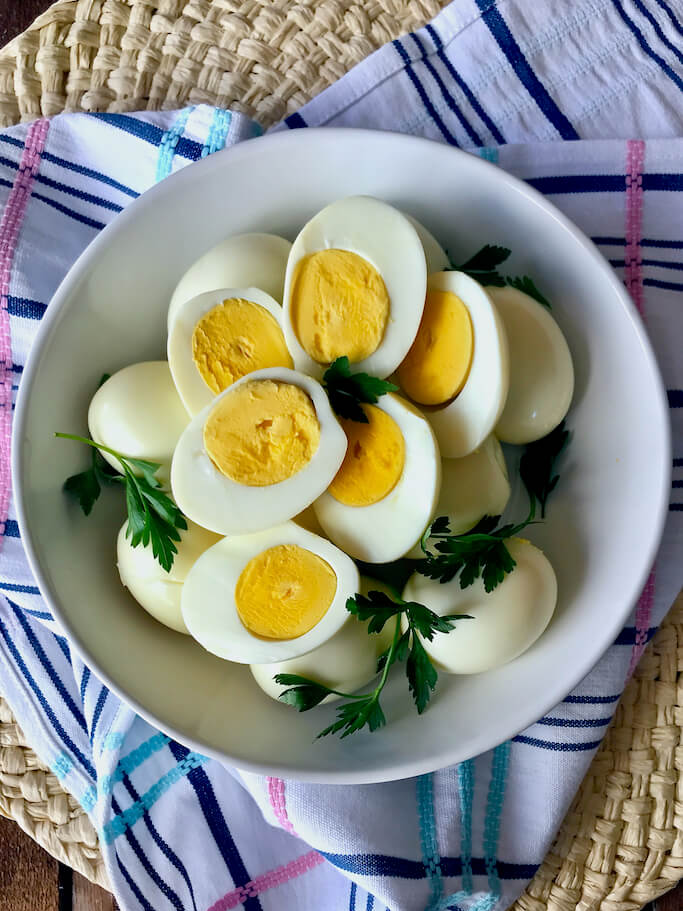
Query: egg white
{"points": [[463, 424], [138, 412], [388, 241], [505, 622], [472, 487], [385, 530], [148, 582], [240, 261], [435, 256], [541, 369], [189, 382], [208, 598], [217, 502]]}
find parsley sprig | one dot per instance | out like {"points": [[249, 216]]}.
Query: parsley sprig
{"points": [[359, 711], [347, 391], [153, 517], [482, 552], [483, 267]]}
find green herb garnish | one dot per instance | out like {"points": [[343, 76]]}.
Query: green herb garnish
{"points": [[483, 267], [482, 552], [528, 286], [538, 463], [153, 517], [365, 709], [346, 391]]}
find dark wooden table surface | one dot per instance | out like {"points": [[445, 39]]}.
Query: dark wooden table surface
{"points": [[30, 880]]}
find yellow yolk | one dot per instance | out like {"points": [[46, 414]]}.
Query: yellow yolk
{"points": [[438, 363], [284, 591], [374, 460], [235, 338], [262, 433], [339, 306]]}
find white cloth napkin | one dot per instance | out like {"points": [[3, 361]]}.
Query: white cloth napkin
{"points": [[181, 831]]}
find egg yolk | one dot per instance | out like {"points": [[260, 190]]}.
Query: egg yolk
{"points": [[235, 338], [438, 363], [339, 306], [284, 591], [373, 462], [262, 433]]}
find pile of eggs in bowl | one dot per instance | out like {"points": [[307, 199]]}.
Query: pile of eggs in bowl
{"points": [[282, 496]]}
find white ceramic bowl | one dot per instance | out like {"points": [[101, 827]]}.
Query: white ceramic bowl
{"points": [[605, 519]]}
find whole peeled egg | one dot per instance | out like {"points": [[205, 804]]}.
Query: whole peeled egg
{"points": [[541, 369], [258, 454], [472, 487], [148, 582], [346, 662], [240, 261], [220, 336], [355, 287], [386, 489], [268, 596], [457, 368], [138, 413], [504, 622]]}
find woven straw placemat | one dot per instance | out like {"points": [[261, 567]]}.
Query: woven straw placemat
{"points": [[621, 844]]}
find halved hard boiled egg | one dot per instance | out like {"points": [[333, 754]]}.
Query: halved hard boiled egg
{"points": [[355, 287], [505, 622], [541, 369], [152, 587], [346, 662], [220, 336], [269, 596], [258, 454], [457, 367], [150, 429], [435, 256], [384, 494], [472, 487], [240, 261]]}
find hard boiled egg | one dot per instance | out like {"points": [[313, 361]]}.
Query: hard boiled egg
{"points": [[355, 287], [152, 587], [505, 622], [138, 413], [346, 662], [269, 596], [541, 369], [471, 488], [457, 367], [435, 256], [220, 336], [241, 261], [387, 487], [259, 454]]}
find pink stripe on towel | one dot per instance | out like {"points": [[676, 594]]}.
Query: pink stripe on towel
{"points": [[276, 794], [269, 880], [10, 225]]}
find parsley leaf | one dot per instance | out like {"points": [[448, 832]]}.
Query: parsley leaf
{"points": [[483, 265], [346, 391], [153, 517], [356, 712], [538, 463], [479, 553], [527, 285]]}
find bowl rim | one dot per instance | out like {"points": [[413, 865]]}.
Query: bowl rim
{"points": [[397, 769]]}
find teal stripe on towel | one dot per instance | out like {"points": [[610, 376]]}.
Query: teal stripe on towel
{"points": [[489, 154], [429, 843], [466, 793], [169, 143], [218, 132], [494, 811]]}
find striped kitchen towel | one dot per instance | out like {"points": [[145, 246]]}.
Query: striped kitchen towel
{"points": [[511, 80]]}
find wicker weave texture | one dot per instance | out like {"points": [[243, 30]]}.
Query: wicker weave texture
{"points": [[263, 57]]}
